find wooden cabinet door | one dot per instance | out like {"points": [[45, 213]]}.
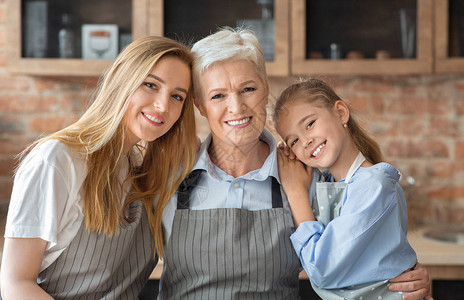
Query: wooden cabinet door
{"points": [[449, 33], [302, 65], [63, 67]]}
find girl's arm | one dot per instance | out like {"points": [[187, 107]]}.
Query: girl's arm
{"points": [[22, 258], [295, 179]]}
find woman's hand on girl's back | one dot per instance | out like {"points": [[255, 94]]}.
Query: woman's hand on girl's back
{"points": [[415, 281]]}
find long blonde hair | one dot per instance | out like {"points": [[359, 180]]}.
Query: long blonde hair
{"points": [[99, 135], [316, 90]]}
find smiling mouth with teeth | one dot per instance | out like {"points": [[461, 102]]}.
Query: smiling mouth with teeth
{"points": [[239, 122], [151, 118], [318, 150]]}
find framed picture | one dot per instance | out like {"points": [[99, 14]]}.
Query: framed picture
{"points": [[100, 41]]}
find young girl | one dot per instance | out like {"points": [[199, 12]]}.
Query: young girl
{"points": [[71, 231], [351, 238]]}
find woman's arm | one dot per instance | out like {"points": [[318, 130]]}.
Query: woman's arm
{"points": [[22, 258], [416, 281]]}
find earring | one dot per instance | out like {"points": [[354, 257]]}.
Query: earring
{"points": [[344, 125]]}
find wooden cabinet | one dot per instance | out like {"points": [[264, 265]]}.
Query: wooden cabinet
{"points": [[302, 64], [294, 31], [278, 66], [449, 36], [147, 19], [57, 66]]}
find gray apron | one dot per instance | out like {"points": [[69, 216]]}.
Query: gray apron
{"points": [[96, 266], [230, 253], [326, 207]]}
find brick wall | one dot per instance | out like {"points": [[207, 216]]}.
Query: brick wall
{"points": [[418, 121], [419, 124]]}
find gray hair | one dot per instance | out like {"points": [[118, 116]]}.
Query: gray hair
{"points": [[227, 44]]}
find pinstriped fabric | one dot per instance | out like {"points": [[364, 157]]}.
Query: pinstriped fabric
{"points": [[231, 253], [95, 266]]}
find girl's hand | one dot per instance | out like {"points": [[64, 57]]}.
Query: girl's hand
{"points": [[286, 150], [293, 174], [295, 179], [415, 281]]}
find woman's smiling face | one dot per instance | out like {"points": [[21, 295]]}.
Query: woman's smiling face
{"points": [[157, 104], [234, 99]]}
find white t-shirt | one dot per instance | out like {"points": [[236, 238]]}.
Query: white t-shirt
{"points": [[46, 201]]}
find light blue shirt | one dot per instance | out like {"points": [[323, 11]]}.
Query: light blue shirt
{"points": [[217, 189], [367, 242]]}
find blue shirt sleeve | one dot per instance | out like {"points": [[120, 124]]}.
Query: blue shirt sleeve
{"points": [[367, 242]]}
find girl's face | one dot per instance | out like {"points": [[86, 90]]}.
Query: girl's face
{"points": [[234, 99], [316, 134], [157, 104]]}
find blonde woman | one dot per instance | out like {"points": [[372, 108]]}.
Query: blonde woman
{"points": [[73, 230]]}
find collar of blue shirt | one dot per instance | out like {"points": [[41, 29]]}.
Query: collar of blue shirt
{"points": [[269, 167]]}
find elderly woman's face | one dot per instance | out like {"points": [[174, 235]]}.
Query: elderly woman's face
{"points": [[233, 99]]}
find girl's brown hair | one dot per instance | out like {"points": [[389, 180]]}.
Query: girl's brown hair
{"points": [[313, 90], [99, 136]]}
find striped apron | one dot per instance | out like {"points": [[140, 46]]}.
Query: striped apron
{"points": [[230, 253], [96, 266]]}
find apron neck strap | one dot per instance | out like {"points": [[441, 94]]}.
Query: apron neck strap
{"points": [[276, 194], [186, 187], [189, 183], [355, 166]]}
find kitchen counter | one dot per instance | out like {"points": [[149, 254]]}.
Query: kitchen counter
{"points": [[432, 252], [443, 260]]}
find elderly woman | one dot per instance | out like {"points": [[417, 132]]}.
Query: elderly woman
{"points": [[228, 229]]}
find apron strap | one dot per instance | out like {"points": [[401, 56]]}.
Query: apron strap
{"points": [[355, 166], [189, 183], [276, 194], [186, 187]]}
